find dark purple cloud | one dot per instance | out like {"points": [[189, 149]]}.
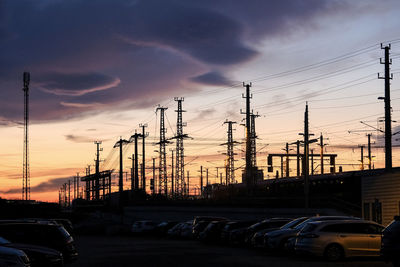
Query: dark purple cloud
{"points": [[75, 84], [212, 78], [92, 56]]}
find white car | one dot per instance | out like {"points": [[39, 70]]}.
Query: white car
{"points": [[13, 257]]}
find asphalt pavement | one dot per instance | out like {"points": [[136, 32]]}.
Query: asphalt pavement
{"points": [[120, 251]]}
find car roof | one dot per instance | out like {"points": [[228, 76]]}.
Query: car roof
{"points": [[343, 222]]}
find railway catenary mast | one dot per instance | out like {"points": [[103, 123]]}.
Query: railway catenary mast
{"points": [[26, 187], [180, 157], [162, 173], [230, 161]]}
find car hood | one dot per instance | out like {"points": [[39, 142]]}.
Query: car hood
{"points": [[282, 232], [34, 248], [264, 231]]}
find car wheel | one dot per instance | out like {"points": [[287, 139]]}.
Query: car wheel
{"points": [[334, 252]]}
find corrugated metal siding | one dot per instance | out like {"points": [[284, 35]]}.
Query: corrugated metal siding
{"points": [[385, 188]]}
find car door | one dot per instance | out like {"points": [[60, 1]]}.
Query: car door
{"points": [[354, 238], [375, 235]]}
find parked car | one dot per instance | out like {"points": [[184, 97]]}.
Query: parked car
{"points": [[338, 239], [162, 228], [13, 257], [199, 227], [186, 230], [257, 240], [212, 233], [175, 231], [143, 227], [272, 223], [390, 249], [67, 224], [48, 235], [207, 218], [181, 230], [237, 236], [39, 256], [279, 239], [231, 226]]}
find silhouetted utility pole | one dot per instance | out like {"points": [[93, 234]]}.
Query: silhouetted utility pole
{"points": [[163, 186], [369, 152], [187, 187], [154, 176], [69, 193], [77, 185], [120, 144], [144, 135], [180, 156], [74, 187], [312, 161], [297, 156], [26, 187], [362, 156], [388, 119], [132, 172], [230, 160], [97, 163], [201, 180], [248, 170], [287, 158], [172, 173], [207, 177], [321, 144], [65, 195], [306, 135], [135, 138]]}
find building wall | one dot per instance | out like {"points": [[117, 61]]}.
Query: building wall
{"points": [[380, 197]]}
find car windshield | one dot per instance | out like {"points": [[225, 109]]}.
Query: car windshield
{"points": [[64, 232], [301, 225], [293, 223], [309, 228], [4, 241], [394, 227]]}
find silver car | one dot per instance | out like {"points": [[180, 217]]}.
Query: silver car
{"points": [[279, 239], [338, 239]]}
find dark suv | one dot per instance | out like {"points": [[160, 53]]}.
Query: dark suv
{"points": [[390, 247], [48, 235]]}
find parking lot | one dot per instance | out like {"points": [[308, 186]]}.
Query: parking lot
{"points": [[150, 251]]}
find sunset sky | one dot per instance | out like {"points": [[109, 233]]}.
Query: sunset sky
{"points": [[100, 68]]}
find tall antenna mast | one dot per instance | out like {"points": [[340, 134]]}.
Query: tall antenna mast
{"points": [[26, 187]]}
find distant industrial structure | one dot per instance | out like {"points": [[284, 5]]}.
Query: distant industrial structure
{"points": [[316, 179]]}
